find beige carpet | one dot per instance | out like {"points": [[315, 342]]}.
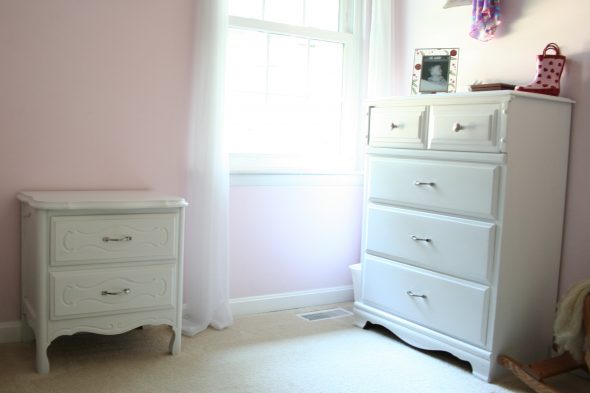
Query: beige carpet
{"points": [[275, 353]]}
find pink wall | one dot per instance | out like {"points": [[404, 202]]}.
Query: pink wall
{"points": [[93, 94], [292, 238], [510, 57]]}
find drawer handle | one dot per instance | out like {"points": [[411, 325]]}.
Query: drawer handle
{"points": [[412, 294], [125, 291], [457, 127], [421, 239], [394, 126], [424, 183], [107, 239]]}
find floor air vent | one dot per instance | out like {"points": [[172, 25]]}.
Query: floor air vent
{"points": [[325, 314]]}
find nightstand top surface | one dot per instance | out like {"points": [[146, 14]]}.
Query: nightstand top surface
{"points": [[72, 200]]}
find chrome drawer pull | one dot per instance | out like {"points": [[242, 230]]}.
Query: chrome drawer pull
{"points": [[107, 239], [424, 183], [125, 291], [421, 239], [412, 294], [393, 126], [457, 127]]}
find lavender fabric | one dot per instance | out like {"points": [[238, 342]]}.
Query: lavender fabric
{"points": [[486, 18]]}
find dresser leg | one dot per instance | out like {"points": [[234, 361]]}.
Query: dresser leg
{"points": [[482, 369], [42, 359], [175, 340]]}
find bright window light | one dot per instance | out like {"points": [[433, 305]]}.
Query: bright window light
{"points": [[287, 87]]}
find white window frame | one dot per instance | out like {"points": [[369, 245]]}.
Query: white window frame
{"points": [[350, 35]]}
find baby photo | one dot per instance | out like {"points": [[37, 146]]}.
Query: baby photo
{"points": [[435, 72]]}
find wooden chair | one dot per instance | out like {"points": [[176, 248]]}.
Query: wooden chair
{"points": [[534, 374]]}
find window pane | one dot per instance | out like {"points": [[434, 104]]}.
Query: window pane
{"points": [[284, 11], [284, 94], [246, 8], [322, 14], [246, 61], [325, 70], [287, 73]]}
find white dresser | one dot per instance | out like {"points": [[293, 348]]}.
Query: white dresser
{"points": [[463, 219], [99, 261]]}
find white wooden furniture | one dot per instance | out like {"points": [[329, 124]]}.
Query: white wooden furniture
{"points": [[464, 207], [102, 262]]}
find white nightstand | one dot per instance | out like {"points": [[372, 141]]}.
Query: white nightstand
{"points": [[100, 261]]}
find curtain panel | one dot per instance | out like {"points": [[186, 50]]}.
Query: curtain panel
{"points": [[206, 286]]}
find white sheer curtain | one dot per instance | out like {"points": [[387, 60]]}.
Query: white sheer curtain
{"points": [[380, 51], [206, 291]]}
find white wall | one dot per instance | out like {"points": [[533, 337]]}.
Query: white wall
{"points": [[528, 25]]}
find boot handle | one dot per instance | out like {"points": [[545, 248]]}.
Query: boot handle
{"points": [[550, 46]]}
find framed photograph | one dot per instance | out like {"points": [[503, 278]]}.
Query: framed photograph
{"points": [[435, 71]]}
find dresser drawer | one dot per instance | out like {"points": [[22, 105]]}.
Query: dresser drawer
{"points": [[463, 188], [113, 238], [77, 293], [462, 248], [454, 307], [465, 127], [398, 127]]}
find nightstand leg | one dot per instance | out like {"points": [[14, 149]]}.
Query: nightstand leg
{"points": [[175, 341], [42, 359]]}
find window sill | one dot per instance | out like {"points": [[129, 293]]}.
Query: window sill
{"points": [[295, 178]]}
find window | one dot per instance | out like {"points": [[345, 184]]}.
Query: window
{"points": [[292, 85]]}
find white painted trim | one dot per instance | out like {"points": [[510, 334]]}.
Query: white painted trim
{"points": [[290, 300], [245, 179], [10, 332]]}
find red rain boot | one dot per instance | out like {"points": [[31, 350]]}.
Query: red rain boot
{"points": [[549, 69]]}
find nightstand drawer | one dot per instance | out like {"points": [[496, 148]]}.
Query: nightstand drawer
{"points": [[454, 307], [459, 247], [456, 187], [82, 292], [113, 238], [398, 127], [465, 127]]}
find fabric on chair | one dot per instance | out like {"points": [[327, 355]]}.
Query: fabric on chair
{"points": [[568, 328]]}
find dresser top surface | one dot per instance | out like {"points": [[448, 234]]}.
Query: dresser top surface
{"points": [[494, 95], [72, 200]]}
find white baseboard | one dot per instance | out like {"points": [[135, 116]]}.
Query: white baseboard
{"points": [[10, 332], [290, 300]]}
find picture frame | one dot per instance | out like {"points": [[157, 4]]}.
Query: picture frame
{"points": [[435, 70]]}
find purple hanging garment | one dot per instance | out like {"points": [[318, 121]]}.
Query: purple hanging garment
{"points": [[486, 18]]}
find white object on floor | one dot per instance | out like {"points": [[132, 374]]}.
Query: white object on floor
{"points": [[355, 271]]}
